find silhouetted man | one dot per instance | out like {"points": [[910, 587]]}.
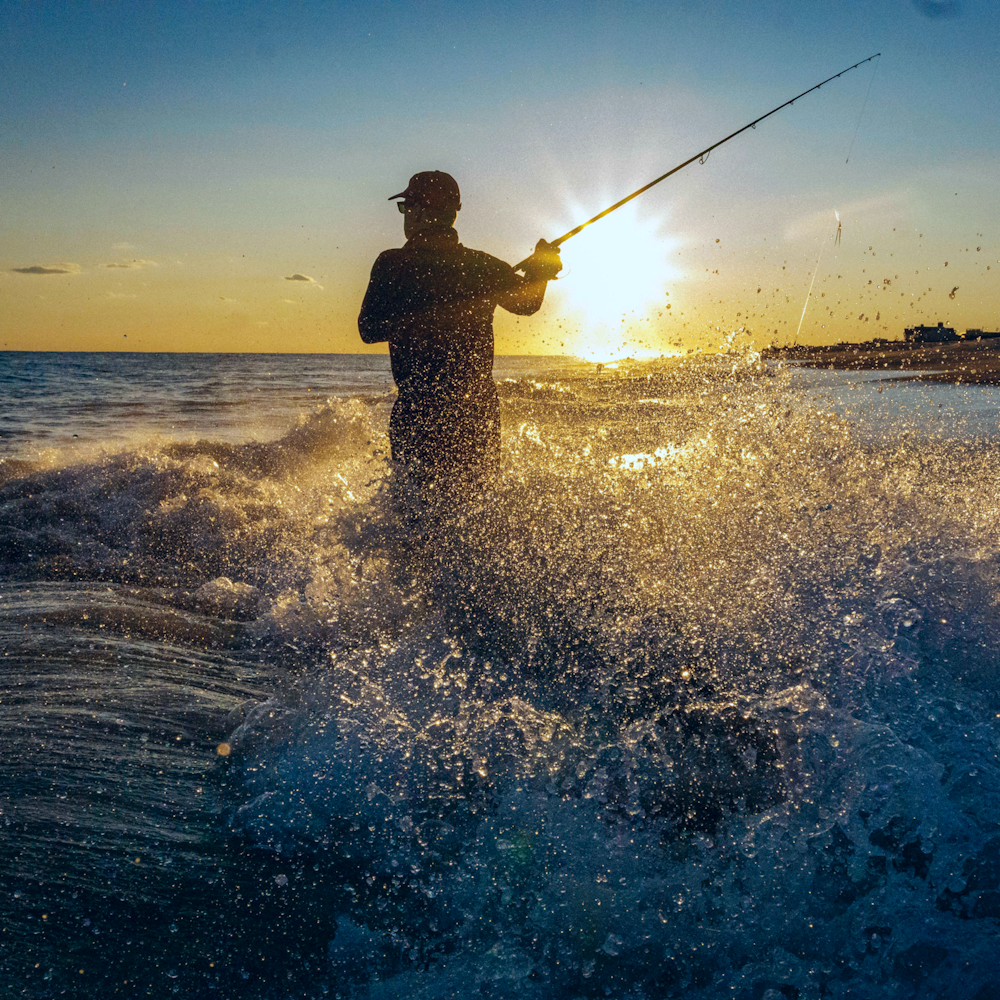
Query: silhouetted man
{"points": [[433, 301]]}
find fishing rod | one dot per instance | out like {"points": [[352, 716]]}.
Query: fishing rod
{"points": [[697, 156]]}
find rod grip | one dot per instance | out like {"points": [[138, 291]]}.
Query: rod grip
{"points": [[553, 243]]}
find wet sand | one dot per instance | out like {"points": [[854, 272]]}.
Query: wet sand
{"points": [[975, 362]]}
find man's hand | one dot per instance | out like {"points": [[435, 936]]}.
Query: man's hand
{"points": [[544, 264]]}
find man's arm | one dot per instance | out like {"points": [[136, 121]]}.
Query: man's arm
{"points": [[376, 316], [525, 295]]}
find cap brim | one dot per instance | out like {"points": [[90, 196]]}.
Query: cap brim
{"points": [[393, 197]]}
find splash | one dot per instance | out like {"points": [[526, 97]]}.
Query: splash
{"points": [[699, 701]]}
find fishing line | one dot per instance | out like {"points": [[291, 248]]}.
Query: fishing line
{"points": [[836, 240], [805, 305], [864, 104]]}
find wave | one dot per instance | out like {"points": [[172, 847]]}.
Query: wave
{"points": [[173, 514], [699, 699]]}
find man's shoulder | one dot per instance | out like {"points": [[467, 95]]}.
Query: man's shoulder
{"points": [[482, 255], [389, 261], [487, 262], [427, 261]]}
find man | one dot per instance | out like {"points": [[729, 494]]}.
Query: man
{"points": [[433, 301]]}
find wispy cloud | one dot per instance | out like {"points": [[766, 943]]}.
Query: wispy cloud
{"points": [[938, 8], [305, 278], [48, 269], [122, 246], [120, 295], [133, 265]]}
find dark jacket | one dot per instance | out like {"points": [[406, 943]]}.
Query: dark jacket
{"points": [[433, 301]]}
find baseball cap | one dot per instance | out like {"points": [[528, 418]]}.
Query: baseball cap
{"points": [[433, 189]]}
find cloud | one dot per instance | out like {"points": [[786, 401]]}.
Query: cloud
{"points": [[134, 265], [938, 9], [48, 269], [122, 246], [120, 295], [304, 277]]}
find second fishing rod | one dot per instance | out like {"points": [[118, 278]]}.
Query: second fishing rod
{"points": [[702, 155]]}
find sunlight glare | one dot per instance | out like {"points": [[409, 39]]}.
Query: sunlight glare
{"points": [[614, 271]]}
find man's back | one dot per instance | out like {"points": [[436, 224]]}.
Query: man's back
{"points": [[433, 302]]}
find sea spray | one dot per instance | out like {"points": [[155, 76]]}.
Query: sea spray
{"points": [[721, 601], [698, 700]]}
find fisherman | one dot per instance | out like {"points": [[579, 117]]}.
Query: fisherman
{"points": [[433, 301]]}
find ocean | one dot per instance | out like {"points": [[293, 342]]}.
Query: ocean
{"points": [[699, 700]]}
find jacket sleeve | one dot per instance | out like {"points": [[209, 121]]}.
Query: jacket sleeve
{"points": [[377, 314], [520, 295]]}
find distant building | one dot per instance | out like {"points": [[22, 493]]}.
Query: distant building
{"points": [[981, 334], [929, 334]]}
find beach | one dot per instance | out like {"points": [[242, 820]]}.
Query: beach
{"points": [[961, 362]]}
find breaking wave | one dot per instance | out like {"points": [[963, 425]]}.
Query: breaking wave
{"points": [[700, 700]]}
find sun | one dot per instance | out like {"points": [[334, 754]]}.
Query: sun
{"points": [[614, 271]]}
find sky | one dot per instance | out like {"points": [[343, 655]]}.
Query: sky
{"points": [[183, 176]]}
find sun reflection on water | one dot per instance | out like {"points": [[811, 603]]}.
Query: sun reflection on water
{"points": [[668, 454]]}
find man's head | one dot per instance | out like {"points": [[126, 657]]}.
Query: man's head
{"points": [[431, 198]]}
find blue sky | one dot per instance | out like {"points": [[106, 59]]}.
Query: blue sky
{"points": [[222, 147]]}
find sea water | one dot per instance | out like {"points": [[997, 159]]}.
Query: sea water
{"points": [[700, 699]]}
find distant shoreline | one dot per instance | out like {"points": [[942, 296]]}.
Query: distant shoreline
{"points": [[967, 362]]}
